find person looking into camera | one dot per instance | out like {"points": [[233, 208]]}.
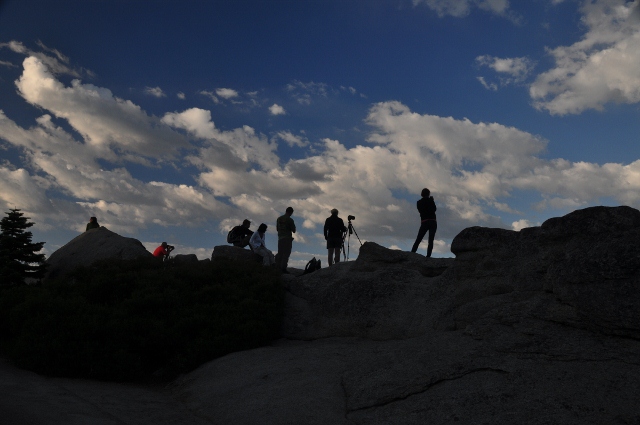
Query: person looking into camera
{"points": [[427, 209], [163, 251], [334, 231]]}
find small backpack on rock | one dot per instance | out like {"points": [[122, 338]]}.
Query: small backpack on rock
{"points": [[312, 266]]}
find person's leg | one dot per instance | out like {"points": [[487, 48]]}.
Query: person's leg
{"points": [[287, 247], [265, 254], [433, 226], [421, 233], [330, 256], [337, 259], [279, 254]]}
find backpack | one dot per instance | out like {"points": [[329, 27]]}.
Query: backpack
{"points": [[231, 236], [312, 266]]}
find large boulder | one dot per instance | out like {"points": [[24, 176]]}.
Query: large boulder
{"points": [[538, 326], [234, 253], [91, 246]]}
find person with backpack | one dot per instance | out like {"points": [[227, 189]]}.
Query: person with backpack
{"points": [[334, 231], [259, 246], [240, 235], [427, 209], [285, 227]]}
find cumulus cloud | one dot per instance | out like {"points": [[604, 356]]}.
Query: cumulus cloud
{"points": [[103, 120], [472, 168], [226, 93], [276, 109], [599, 69], [154, 91]]}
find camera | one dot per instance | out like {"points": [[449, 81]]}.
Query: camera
{"points": [[351, 217]]}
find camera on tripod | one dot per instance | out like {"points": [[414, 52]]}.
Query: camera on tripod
{"points": [[351, 217], [347, 235]]}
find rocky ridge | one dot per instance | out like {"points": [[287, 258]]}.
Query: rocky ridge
{"points": [[535, 327]]}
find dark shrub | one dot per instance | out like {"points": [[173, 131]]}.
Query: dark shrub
{"points": [[138, 319]]}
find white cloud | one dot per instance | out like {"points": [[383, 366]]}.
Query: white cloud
{"points": [[226, 93], [8, 64], [154, 91], [181, 95], [599, 69], [292, 139], [211, 95], [511, 70], [57, 65], [103, 120], [488, 86], [521, 224], [276, 109]]}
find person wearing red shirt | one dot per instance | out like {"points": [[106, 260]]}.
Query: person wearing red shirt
{"points": [[163, 251]]}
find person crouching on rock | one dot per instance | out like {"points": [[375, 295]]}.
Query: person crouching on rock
{"points": [[240, 235], [334, 231], [428, 223], [258, 245], [92, 224], [163, 251]]}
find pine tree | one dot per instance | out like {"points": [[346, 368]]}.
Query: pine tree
{"points": [[18, 255]]}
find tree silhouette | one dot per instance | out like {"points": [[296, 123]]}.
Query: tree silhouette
{"points": [[18, 255]]}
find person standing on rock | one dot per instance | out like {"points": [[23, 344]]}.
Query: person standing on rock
{"points": [[285, 227], [334, 231], [92, 224], [259, 246], [163, 251], [428, 223], [240, 235]]}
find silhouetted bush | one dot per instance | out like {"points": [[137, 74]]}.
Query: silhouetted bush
{"points": [[140, 319]]}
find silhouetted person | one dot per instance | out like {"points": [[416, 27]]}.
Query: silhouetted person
{"points": [[240, 235], [334, 231], [428, 223], [163, 251], [92, 224], [259, 246], [285, 227]]}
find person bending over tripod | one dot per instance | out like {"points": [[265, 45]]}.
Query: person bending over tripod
{"points": [[334, 231], [428, 223]]}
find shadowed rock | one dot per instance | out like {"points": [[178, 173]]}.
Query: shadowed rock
{"points": [[538, 326], [91, 246], [234, 253]]}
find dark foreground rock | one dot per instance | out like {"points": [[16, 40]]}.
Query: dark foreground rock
{"points": [[235, 253], [91, 246], [532, 327]]}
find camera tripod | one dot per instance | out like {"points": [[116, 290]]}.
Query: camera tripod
{"points": [[349, 231]]}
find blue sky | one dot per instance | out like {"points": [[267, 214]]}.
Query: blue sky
{"points": [[173, 121]]}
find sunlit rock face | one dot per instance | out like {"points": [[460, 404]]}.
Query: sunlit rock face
{"points": [[91, 246], [538, 326]]}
